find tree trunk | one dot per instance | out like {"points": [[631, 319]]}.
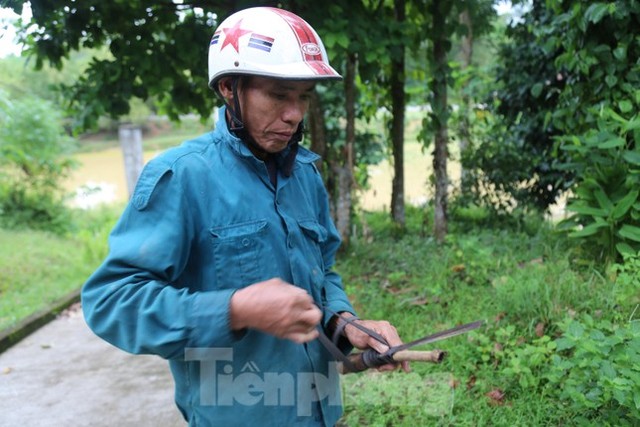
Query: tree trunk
{"points": [[440, 115], [318, 136], [397, 125], [463, 130], [344, 170], [315, 119]]}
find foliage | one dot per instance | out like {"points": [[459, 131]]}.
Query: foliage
{"points": [[149, 47], [597, 370], [504, 373], [513, 163], [33, 161], [627, 282], [567, 120], [598, 114], [606, 201], [92, 229], [521, 364]]}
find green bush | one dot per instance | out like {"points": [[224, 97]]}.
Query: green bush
{"points": [[606, 201], [596, 370], [93, 229], [34, 158]]}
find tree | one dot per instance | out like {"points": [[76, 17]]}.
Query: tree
{"points": [[440, 11], [597, 112], [514, 165], [354, 37], [476, 21], [467, 55], [441, 28], [156, 51], [398, 105]]}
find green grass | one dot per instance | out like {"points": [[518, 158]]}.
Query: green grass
{"points": [[36, 269], [522, 284]]}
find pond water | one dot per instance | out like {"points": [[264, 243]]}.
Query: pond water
{"points": [[100, 178]]}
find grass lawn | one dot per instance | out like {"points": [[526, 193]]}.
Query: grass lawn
{"points": [[36, 269]]}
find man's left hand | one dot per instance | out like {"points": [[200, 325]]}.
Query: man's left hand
{"points": [[362, 340]]}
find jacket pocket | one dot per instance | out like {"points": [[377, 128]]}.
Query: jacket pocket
{"points": [[237, 251], [315, 236], [314, 230]]}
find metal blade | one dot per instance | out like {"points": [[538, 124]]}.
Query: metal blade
{"points": [[437, 336]]}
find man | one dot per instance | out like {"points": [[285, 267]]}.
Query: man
{"points": [[221, 262]]}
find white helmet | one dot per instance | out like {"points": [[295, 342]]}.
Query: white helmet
{"points": [[268, 42]]}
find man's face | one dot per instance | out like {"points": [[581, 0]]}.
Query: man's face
{"points": [[272, 109]]}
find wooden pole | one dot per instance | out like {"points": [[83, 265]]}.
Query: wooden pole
{"points": [[131, 142], [358, 361]]}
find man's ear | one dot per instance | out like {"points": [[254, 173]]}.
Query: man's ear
{"points": [[225, 88]]}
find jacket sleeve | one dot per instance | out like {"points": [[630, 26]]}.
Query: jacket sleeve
{"points": [[132, 300]]}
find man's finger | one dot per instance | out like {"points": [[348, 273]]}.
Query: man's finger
{"points": [[303, 337]]}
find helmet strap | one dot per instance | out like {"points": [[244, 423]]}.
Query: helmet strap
{"points": [[236, 114], [237, 125]]}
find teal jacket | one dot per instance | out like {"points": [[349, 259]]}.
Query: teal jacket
{"points": [[204, 221]]}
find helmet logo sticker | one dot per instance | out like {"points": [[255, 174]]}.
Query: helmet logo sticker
{"points": [[261, 42], [231, 36], [215, 38], [311, 49]]}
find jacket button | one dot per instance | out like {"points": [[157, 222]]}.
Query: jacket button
{"points": [[245, 242]]}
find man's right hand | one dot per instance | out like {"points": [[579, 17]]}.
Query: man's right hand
{"points": [[277, 308]]}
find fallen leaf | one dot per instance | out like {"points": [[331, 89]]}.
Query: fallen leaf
{"points": [[471, 382], [419, 301], [540, 329], [7, 370], [500, 316], [399, 291], [497, 347], [454, 383], [496, 396], [458, 268]]}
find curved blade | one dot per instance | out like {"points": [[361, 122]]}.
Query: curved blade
{"points": [[438, 336]]}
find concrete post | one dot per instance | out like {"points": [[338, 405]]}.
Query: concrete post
{"points": [[131, 142]]}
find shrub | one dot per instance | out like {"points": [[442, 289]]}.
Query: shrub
{"points": [[597, 370], [33, 160]]}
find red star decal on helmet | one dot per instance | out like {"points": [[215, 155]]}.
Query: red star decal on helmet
{"points": [[231, 35]]}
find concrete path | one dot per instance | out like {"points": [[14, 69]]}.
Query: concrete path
{"points": [[63, 375]]}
